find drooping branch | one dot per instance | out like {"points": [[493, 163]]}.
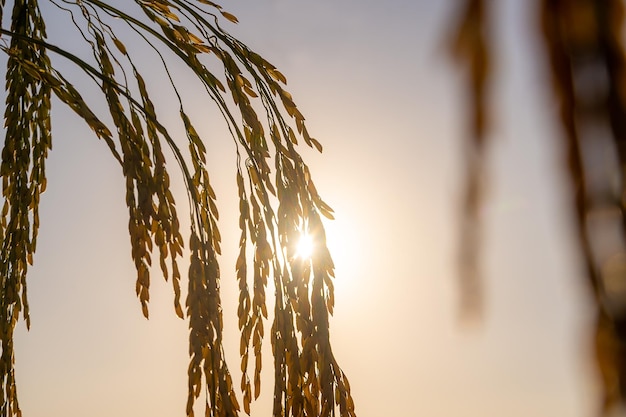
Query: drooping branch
{"points": [[470, 48], [584, 46], [190, 30], [585, 50], [26, 144]]}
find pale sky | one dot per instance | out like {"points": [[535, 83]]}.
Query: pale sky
{"points": [[377, 90]]}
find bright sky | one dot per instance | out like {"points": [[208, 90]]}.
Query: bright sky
{"points": [[374, 83]]}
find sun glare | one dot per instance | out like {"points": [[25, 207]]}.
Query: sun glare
{"points": [[305, 247]]}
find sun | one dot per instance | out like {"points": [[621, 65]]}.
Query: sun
{"points": [[304, 250]]}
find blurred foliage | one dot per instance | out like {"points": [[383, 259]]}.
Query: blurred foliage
{"points": [[584, 48], [276, 204]]}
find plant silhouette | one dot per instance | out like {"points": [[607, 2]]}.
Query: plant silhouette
{"points": [[276, 205], [278, 201]]}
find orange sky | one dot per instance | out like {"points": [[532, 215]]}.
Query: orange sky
{"points": [[377, 91]]}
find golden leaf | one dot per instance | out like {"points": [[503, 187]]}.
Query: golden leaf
{"points": [[229, 16], [317, 145], [120, 46]]}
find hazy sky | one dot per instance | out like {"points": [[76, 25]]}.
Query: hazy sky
{"points": [[375, 85]]}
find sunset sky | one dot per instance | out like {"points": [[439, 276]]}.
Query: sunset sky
{"points": [[379, 92]]}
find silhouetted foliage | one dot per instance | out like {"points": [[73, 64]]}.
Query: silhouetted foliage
{"points": [[583, 42], [276, 204]]}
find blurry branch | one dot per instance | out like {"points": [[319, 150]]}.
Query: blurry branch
{"points": [[471, 50], [583, 40], [584, 44], [276, 205]]}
